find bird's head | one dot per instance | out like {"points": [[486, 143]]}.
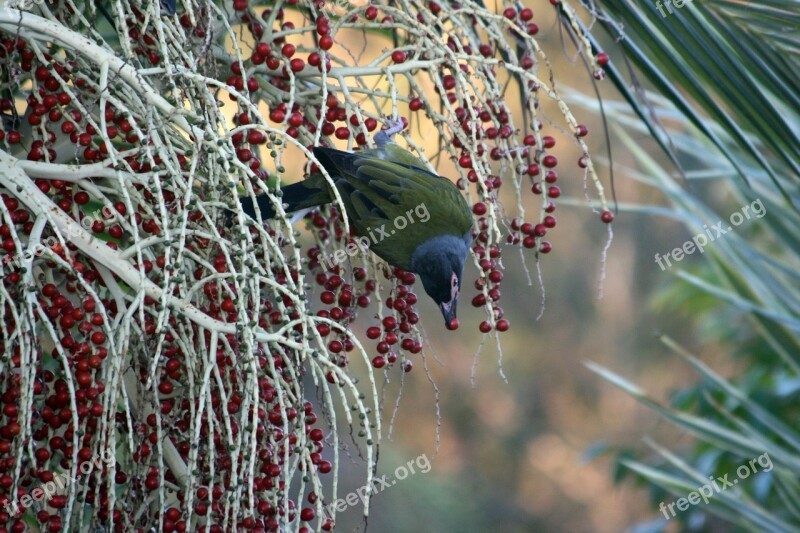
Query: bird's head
{"points": [[439, 262]]}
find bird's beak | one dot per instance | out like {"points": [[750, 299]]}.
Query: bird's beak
{"points": [[449, 313]]}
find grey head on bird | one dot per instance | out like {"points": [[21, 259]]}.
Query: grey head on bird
{"points": [[378, 186]]}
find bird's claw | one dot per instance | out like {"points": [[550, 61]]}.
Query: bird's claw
{"points": [[393, 126]]}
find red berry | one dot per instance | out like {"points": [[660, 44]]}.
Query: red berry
{"points": [[607, 216], [288, 50], [42, 73], [244, 155], [277, 115], [335, 346], [49, 290], [602, 59], [398, 56]]}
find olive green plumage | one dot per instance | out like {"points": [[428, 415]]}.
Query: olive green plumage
{"points": [[386, 187]]}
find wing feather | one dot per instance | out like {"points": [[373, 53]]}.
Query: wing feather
{"points": [[386, 189]]}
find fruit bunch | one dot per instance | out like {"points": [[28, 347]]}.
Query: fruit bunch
{"points": [[211, 362]]}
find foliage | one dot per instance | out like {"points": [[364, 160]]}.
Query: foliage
{"points": [[725, 115]]}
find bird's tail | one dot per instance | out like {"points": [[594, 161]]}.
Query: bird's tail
{"points": [[310, 192]]}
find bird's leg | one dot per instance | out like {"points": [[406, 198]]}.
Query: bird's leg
{"points": [[393, 126]]}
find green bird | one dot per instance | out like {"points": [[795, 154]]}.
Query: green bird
{"points": [[379, 188]]}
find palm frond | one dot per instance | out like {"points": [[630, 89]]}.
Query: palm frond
{"points": [[725, 62]]}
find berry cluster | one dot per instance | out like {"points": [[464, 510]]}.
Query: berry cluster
{"points": [[135, 322], [342, 299]]}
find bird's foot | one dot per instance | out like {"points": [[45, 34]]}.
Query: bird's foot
{"points": [[393, 126]]}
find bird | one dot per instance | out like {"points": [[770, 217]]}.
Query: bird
{"points": [[378, 187]]}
